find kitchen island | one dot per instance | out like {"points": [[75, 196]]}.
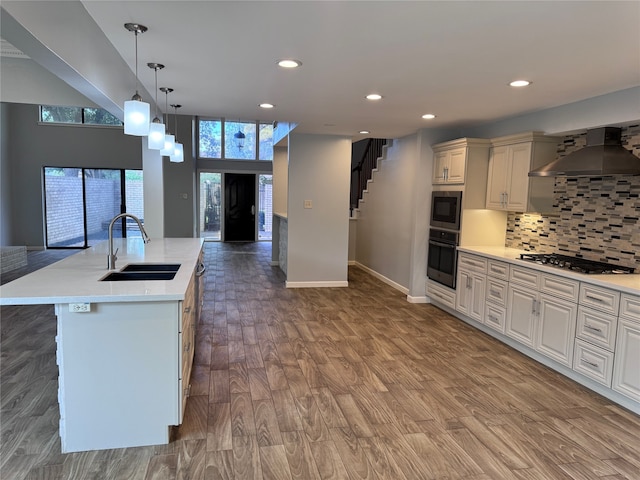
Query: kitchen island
{"points": [[124, 348]]}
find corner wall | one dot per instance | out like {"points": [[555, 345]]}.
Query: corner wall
{"points": [[5, 179]]}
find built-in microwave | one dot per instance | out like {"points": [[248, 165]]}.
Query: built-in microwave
{"points": [[445, 209]]}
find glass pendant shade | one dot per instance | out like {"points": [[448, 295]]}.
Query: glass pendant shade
{"points": [[136, 118], [178, 154], [156, 135], [169, 145]]}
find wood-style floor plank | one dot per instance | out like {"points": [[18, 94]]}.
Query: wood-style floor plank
{"points": [[330, 384]]}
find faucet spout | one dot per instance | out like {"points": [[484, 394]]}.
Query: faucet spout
{"points": [[111, 259]]}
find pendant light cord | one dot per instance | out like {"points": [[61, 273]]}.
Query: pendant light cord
{"points": [[136, 37]]}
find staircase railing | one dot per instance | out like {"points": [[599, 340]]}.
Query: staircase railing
{"points": [[362, 171]]}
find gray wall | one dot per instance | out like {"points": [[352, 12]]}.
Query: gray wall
{"points": [[31, 147], [5, 179]]}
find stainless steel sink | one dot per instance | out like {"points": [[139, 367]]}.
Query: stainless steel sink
{"points": [[151, 267], [138, 276]]}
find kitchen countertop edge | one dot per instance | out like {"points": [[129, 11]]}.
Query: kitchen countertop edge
{"points": [[76, 279], [625, 283]]}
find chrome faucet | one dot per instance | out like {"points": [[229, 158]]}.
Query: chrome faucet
{"points": [[111, 259]]}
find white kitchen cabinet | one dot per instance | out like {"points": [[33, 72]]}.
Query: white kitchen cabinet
{"points": [[509, 186], [556, 329], [449, 166], [546, 321], [496, 290], [521, 314], [470, 286], [626, 370], [454, 160], [441, 294]]}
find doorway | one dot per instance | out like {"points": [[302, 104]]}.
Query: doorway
{"points": [[240, 207]]}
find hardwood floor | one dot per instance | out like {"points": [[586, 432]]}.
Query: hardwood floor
{"points": [[337, 383]]}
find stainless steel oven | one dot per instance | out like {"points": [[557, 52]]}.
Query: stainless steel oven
{"points": [[446, 206], [442, 257]]}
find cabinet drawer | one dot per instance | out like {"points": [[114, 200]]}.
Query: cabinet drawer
{"points": [[559, 287], [498, 269], [441, 294], [630, 307], [599, 298], [524, 276], [472, 262], [596, 327], [593, 362], [495, 317], [497, 291]]}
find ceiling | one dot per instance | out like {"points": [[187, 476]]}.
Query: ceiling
{"points": [[453, 59]]}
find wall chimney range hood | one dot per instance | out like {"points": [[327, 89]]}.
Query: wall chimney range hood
{"points": [[603, 155]]}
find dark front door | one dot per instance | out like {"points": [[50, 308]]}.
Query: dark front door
{"points": [[240, 207]]}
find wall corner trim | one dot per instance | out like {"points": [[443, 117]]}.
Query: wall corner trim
{"points": [[421, 299]]}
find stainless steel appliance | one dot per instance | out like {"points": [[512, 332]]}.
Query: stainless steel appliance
{"points": [[575, 264], [445, 209], [442, 257]]}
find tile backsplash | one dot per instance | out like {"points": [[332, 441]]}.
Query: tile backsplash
{"points": [[598, 218]]}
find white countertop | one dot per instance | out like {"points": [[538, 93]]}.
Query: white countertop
{"points": [[76, 279], [626, 283]]}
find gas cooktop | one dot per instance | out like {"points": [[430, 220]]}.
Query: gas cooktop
{"points": [[575, 264]]}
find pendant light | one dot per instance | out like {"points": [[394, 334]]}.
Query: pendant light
{"points": [[239, 138], [136, 112], [178, 152], [156, 127], [169, 140]]}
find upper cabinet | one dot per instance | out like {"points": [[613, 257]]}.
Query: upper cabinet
{"points": [[454, 160], [509, 186]]}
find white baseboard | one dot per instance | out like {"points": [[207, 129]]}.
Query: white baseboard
{"points": [[381, 277], [316, 284], [35, 248], [422, 299], [351, 263], [275, 263]]}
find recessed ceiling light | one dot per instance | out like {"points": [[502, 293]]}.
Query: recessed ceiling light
{"points": [[520, 83], [364, 132], [289, 63], [428, 116], [266, 105], [373, 96]]}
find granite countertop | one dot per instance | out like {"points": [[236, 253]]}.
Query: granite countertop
{"points": [[76, 279], [626, 283]]}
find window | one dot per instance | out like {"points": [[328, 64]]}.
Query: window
{"points": [[78, 116], [235, 140]]}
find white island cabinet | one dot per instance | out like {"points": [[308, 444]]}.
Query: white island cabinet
{"points": [[125, 348]]}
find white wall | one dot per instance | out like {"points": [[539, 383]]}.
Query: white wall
{"points": [[384, 233], [318, 238]]}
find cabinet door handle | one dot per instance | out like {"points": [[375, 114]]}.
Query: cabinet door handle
{"points": [[187, 347], [187, 309], [595, 299], [590, 327], [495, 293], [587, 362], [468, 282], [533, 307]]}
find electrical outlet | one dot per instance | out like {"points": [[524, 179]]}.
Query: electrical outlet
{"points": [[79, 307], [308, 204]]}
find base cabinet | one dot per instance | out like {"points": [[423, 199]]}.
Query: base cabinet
{"points": [[542, 311], [626, 370]]}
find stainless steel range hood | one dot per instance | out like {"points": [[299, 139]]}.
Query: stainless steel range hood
{"points": [[604, 155]]}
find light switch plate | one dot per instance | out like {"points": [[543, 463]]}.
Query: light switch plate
{"points": [[308, 204]]}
